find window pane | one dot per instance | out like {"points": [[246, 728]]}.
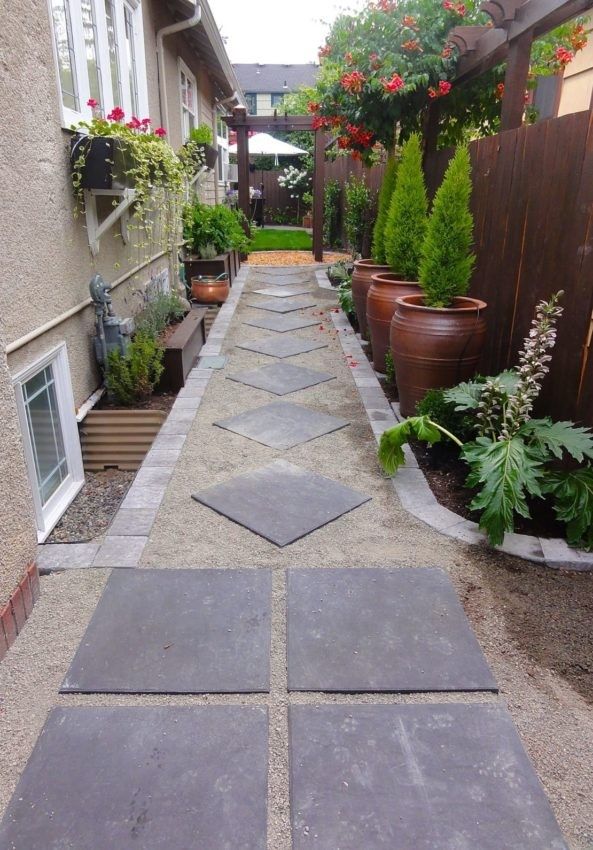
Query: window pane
{"points": [[277, 99], [131, 59], [251, 100], [45, 431], [91, 51], [113, 53], [65, 51]]}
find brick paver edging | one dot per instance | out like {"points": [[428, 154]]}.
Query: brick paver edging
{"points": [[15, 613], [411, 485], [129, 531]]}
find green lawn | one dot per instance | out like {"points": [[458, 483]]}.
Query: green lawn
{"points": [[269, 239]]}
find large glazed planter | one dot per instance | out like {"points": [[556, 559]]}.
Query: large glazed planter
{"points": [[361, 283], [103, 162], [434, 348], [382, 296]]}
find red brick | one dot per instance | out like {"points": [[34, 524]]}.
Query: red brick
{"points": [[27, 595], [18, 609], [3, 642], [33, 574], [8, 624]]}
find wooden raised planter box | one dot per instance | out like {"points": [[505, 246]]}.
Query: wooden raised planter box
{"points": [[195, 267], [182, 349]]}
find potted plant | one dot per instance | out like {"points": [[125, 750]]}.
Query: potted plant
{"points": [[365, 269], [200, 146], [405, 228], [111, 153], [438, 334], [212, 237]]}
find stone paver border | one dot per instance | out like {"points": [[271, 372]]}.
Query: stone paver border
{"points": [[128, 533], [411, 485]]}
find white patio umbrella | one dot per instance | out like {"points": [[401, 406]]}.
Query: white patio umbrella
{"points": [[262, 144]]}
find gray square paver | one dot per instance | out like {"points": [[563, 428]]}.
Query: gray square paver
{"points": [[281, 324], [287, 306], [150, 777], [282, 346], [281, 502], [414, 777], [284, 291], [133, 522], [120, 551], [406, 631], [282, 425], [66, 556], [281, 378], [177, 632]]}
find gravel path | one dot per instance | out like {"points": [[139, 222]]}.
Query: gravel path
{"points": [[91, 512], [534, 625]]}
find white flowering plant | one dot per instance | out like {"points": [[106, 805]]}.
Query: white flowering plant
{"points": [[514, 456], [297, 182]]}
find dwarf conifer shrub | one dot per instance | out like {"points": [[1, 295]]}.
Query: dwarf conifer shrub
{"points": [[408, 210], [131, 378], [385, 194], [447, 260]]}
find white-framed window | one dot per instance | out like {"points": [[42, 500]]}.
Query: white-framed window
{"points": [[222, 132], [188, 95], [50, 436], [99, 53]]}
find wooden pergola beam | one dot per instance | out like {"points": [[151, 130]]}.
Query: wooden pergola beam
{"points": [[286, 123]]}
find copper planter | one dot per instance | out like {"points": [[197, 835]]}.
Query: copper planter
{"points": [[209, 290], [361, 283], [382, 296], [434, 348]]}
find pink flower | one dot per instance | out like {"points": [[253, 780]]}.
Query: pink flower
{"points": [[160, 131], [116, 114], [92, 103], [146, 121]]}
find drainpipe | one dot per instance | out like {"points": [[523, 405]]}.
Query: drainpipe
{"points": [[187, 24]]}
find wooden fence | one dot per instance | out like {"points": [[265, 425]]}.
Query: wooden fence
{"points": [[342, 169], [533, 208]]}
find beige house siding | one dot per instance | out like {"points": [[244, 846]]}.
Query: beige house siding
{"points": [[18, 536], [577, 86]]}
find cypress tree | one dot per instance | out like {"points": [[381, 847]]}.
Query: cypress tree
{"points": [[447, 261], [408, 211], [387, 187]]}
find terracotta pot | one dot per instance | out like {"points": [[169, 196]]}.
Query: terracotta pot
{"points": [[434, 348], [209, 290], [361, 283], [382, 296]]}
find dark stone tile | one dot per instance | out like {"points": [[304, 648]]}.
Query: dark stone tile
{"points": [[281, 502], [177, 631], [281, 324], [156, 778], [284, 291], [289, 305], [282, 346], [406, 632], [281, 378], [282, 425], [414, 777]]}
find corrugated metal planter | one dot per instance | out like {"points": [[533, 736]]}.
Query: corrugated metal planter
{"points": [[118, 438]]}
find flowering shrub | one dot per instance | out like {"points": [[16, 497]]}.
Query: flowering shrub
{"points": [[297, 182]]}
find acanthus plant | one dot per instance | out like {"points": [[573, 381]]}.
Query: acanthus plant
{"points": [[514, 456], [382, 66], [158, 175]]}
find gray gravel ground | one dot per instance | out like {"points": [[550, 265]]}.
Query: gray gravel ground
{"points": [[91, 512], [534, 625]]}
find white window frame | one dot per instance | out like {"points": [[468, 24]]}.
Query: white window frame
{"points": [[48, 515], [223, 152], [182, 68], [71, 116]]}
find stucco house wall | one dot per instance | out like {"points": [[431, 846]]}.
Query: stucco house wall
{"points": [[577, 86]]}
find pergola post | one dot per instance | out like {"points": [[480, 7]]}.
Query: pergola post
{"points": [[243, 169], [318, 193], [431, 128], [515, 81]]}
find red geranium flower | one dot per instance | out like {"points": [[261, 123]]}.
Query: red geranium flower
{"points": [[116, 114], [160, 131], [92, 102]]}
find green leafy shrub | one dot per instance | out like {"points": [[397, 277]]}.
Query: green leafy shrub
{"points": [[345, 297], [406, 223], [340, 271], [131, 378], [447, 261], [385, 195], [158, 313], [331, 213], [357, 214], [437, 407], [514, 457], [201, 135], [218, 226], [390, 368]]}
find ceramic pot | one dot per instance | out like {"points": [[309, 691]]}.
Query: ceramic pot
{"points": [[209, 290], [434, 348], [382, 296], [361, 283]]}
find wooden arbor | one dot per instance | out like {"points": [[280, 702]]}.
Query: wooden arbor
{"points": [[243, 123], [515, 24]]}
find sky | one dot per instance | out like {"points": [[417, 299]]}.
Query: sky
{"points": [[276, 31]]}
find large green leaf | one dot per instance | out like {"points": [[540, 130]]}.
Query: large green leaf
{"points": [[557, 437], [507, 470], [391, 455], [465, 396], [573, 495]]}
